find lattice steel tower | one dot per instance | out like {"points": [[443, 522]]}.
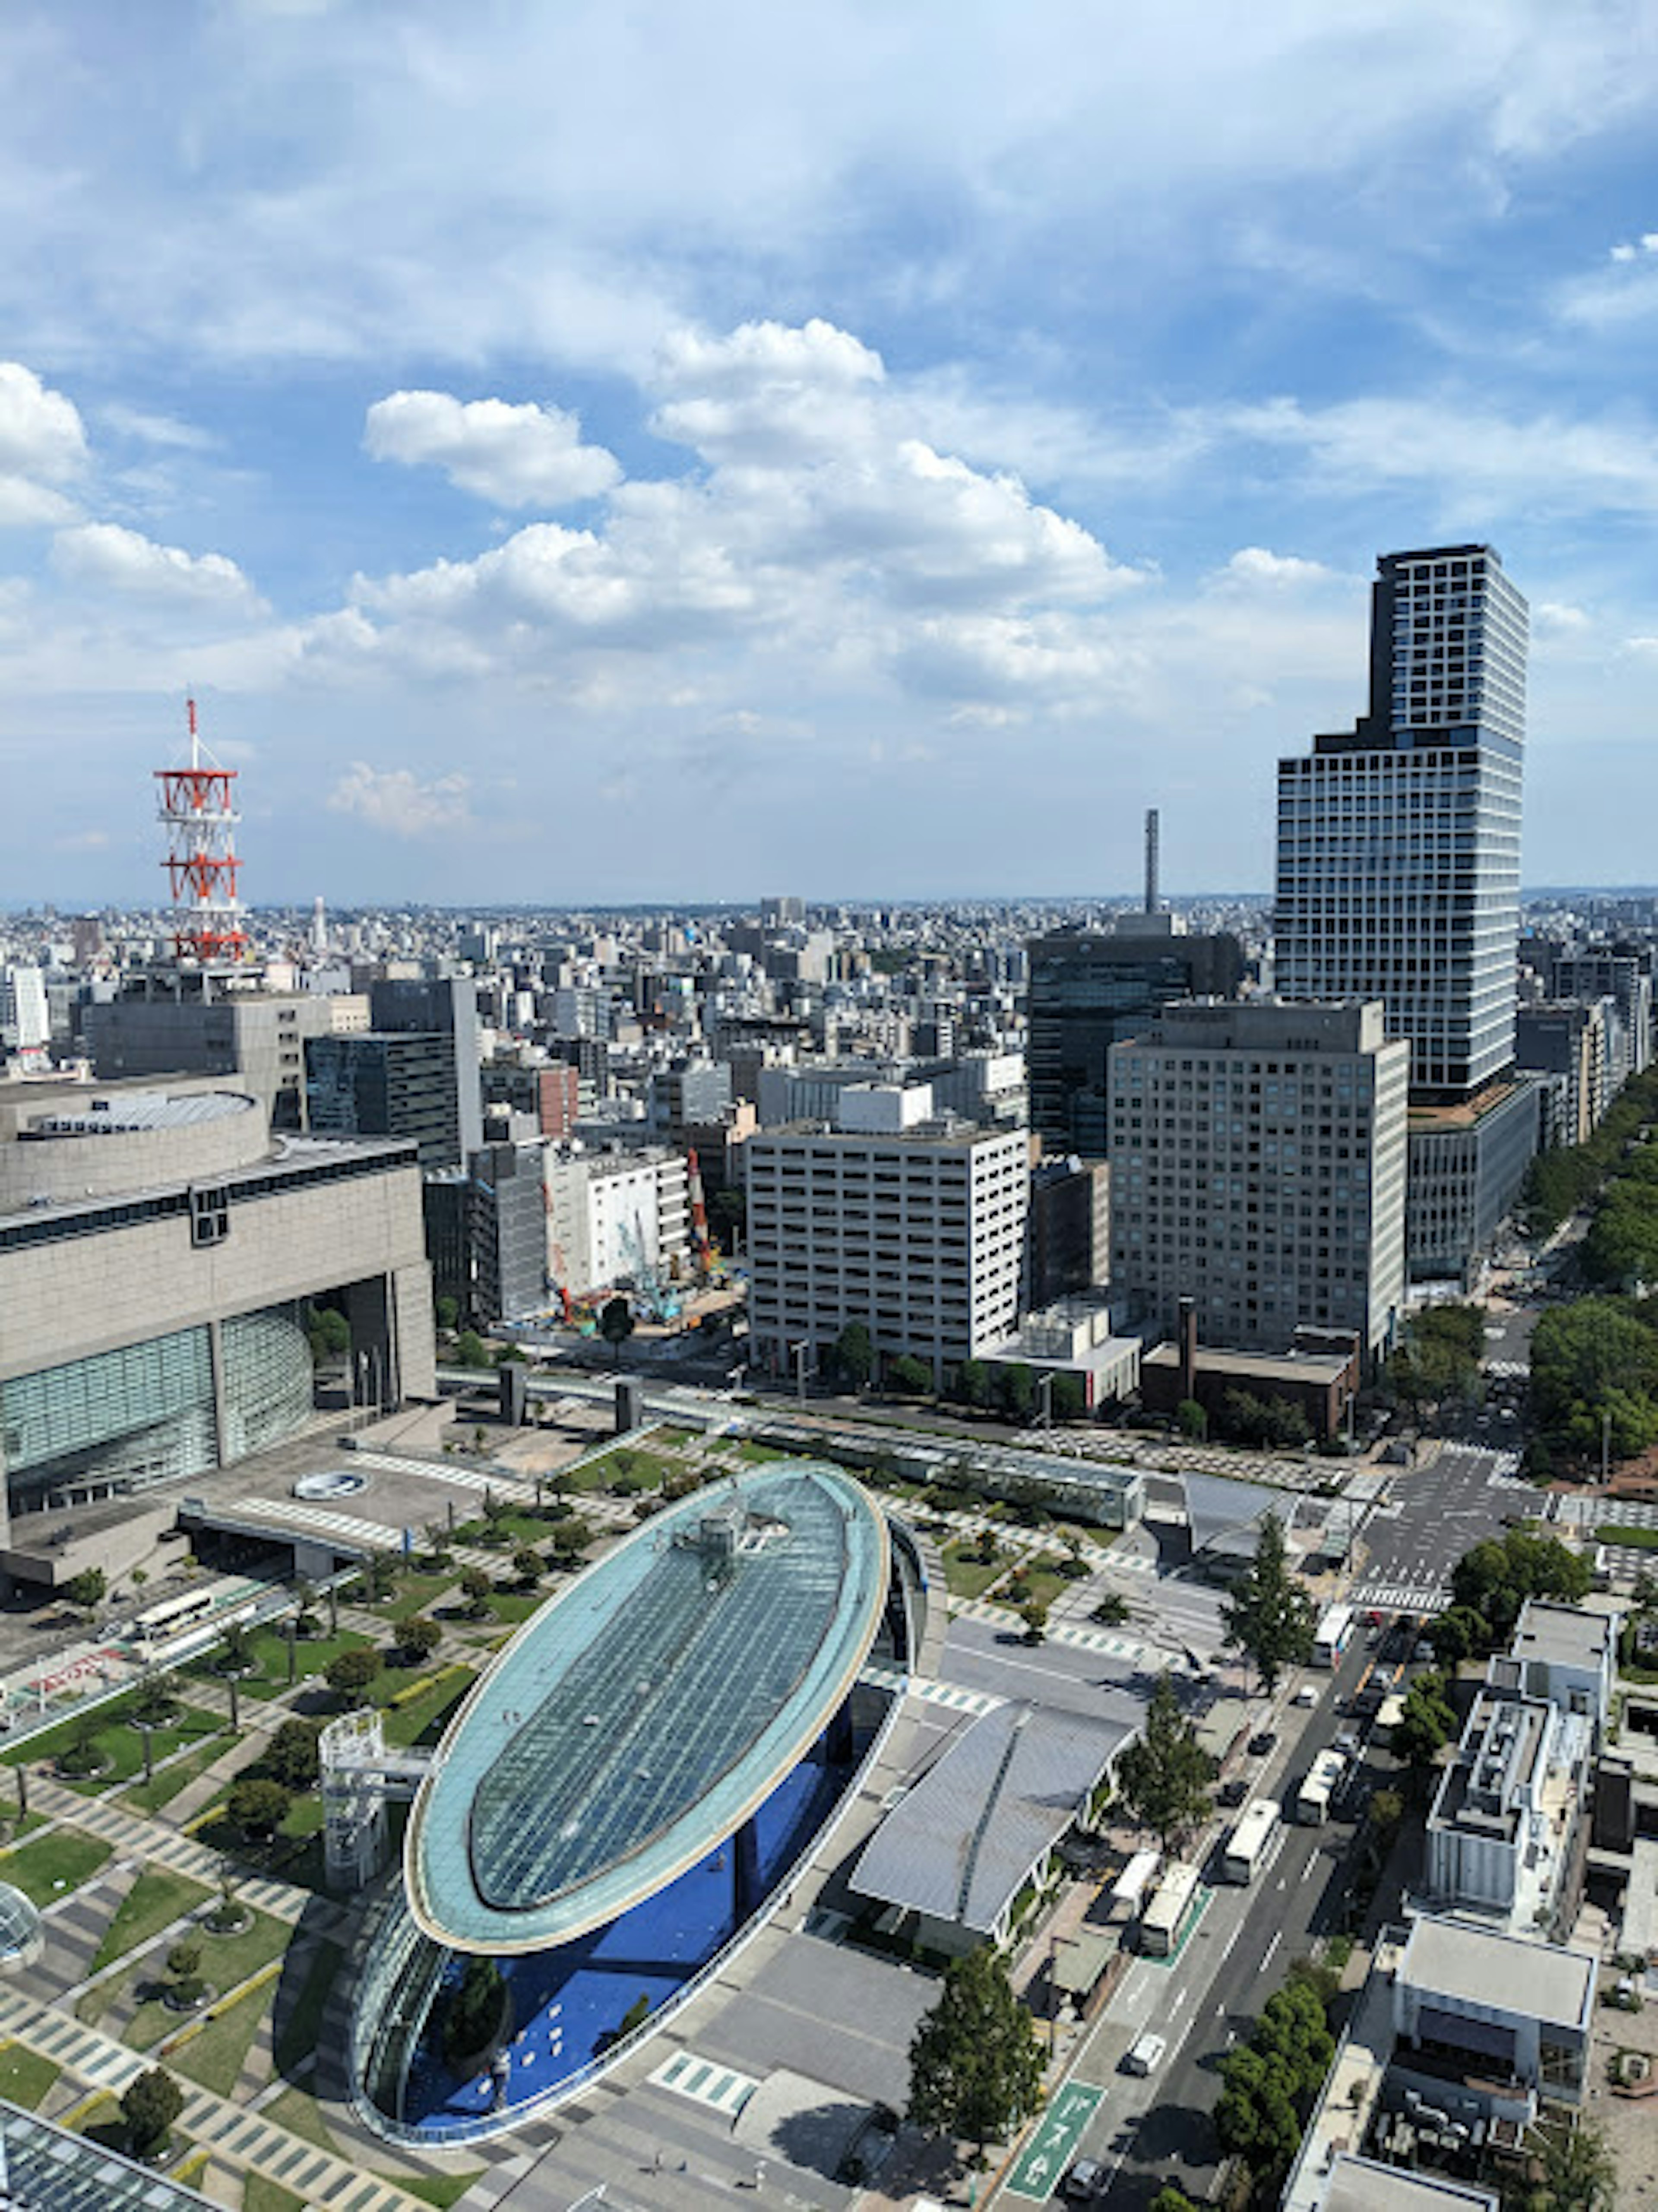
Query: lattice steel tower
{"points": [[197, 808]]}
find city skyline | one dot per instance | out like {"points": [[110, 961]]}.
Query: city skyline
{"points": [[881, 457]]}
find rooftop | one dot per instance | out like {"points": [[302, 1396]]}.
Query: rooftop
{"points": [[48, 2166], [1360, 2184], [1562, 1634], [960, 1844], [1511, 1976], [639, 1717], [123, 1112]]}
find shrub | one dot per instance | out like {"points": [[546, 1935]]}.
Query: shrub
{"points": [[349, 1673], [257, 1807], [419, 1638], [149, 2105]]}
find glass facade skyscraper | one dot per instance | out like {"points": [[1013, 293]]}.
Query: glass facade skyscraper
{"points": [[1398, 843]]}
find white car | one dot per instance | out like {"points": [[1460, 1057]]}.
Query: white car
{"points": [[1145, 2054], [1306, 1695]]}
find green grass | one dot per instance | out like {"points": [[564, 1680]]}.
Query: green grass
{"points": [[442, 2190], [969, 1578], [421, 1721], [1044, 1586], [53, 1864], [514, 1528], [169, 1780], [416, 1593], [102, 2122], [649, 1469], [226, 1960], [261, 2194], [155, 1901], [215, 2056], [297, 2030], [311, 1656], [1618, 1531], [26, 2075], [122, 1745], [296, 2110]]}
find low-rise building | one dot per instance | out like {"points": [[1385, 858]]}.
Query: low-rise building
{"points": [[1505, 1836]]}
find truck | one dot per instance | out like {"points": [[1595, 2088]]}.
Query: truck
{"points": [[1246, 1847], [1318, 1787], [1165, 1916]]}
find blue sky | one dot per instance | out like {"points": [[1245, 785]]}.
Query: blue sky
{"points": [[590, 454]]}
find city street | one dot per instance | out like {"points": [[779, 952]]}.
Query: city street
{"points": [[1435, 1513]]}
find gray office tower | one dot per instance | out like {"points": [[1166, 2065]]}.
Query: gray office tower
{"points": [[1398, 878], [1399, 843], [1090, 989]]}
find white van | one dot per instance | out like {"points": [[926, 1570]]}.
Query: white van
{"points": [[1145, 2054]]}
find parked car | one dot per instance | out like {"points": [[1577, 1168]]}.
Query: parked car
{"points": [[1233, 1792], [1263, 1742]]}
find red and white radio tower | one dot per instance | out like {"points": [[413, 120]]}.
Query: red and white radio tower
{"points": [[201, 859]]}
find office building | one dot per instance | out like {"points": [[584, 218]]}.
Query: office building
{"points": [[1571, 1046], [1624, 976], [1092, 989], [186, 1021], [1070, 1229], [25, 1018], [1398, 843], [486, 1233], [614, 1217], [1464, 1164], [1505, 1824], [387, 1086], [443, 1006], [157, 1249], [917, 1231], [551, 1096], [1257, 1169]]}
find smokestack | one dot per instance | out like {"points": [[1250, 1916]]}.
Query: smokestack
{"points": [[1151, 860], [1188, 1348]]}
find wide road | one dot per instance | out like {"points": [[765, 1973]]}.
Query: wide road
{"points": [[1433, 1514], [1147, 2132]]}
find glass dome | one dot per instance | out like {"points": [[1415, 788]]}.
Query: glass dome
{"points": [[19, 1928]]}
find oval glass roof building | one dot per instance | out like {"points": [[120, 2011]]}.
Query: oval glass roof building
{"points": [[637, 1719], [628, 1790]]}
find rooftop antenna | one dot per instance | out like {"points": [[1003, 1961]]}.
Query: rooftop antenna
{"points": [[199, 815]]}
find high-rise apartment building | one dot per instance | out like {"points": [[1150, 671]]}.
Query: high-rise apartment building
{"points": [[919, 1233], [1398, 843], [1090, 989], [1257, 1169]]}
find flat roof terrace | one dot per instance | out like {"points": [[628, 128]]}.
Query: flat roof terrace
{"points": [[646, 1711]]}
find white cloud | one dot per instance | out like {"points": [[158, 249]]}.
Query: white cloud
{"points": [[41, 436], [1254, 564], [147, 428], [1554, 615], [516, 456], [395, 800], [106, 557]]}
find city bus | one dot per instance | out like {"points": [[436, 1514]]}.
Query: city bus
{"points": [[174, 1615], [1332, 1635], [1319, 1785], [1246, 1847], [1165, 1916]]}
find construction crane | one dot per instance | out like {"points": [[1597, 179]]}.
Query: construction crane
{"points": [[656, 1301]]}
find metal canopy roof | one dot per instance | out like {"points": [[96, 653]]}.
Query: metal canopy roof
{"points": [[638, 1719], [961, 1844], [44, 2168]]}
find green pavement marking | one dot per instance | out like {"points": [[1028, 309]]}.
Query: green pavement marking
{"points": [[1051, 2149]]}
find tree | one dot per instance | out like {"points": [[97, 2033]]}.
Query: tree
{"points": [[477, 2013], [1255, 2116], [973, 1383], [257, 1807], [149, 2105], [1016, 1386], [1579, 2172], [1192, 1421], [419, 1637], [1111, 1611], [616, 1324], [1427, 1724], [446, 1311], [153, 1702], [291, 1756], [1495, 1578], [469, 1350], [1460, 1634], [476, 1587], [1386, 1811], [1034, 1617], [910, 1377], [1292, 2029], [852, 1355], [1267, 1613], [1165, 1774], [1595, 1378], [526, 1566], [1172, 2198], [348, 1674], [328, 1333], [975, 2065], [87, 1590], [1067, 1398], [183, 1963]]}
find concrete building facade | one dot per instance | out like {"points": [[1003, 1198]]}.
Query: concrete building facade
{"points": [[919, 1234], [1257, 1169]]}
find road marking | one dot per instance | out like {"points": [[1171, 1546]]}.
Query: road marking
{"points": [[1226, 1951], [1267, 1960], [1177, 2000]]}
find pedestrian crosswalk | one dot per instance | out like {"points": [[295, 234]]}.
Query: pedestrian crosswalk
{"points": [[931, 1692], [1104, 1640], [705, 2081], [1402, 1597]]}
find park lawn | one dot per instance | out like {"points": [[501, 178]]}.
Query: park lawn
{"points": [[311, 1656], [124, 1747], [511, 1527], [297, 2031], [969, 1578], [53, 1864], [155, 1901], [226, 1961], [297, 2110], [649, 1469], [416, 1592], [261, 2194], [422, 1718], [1043, 1587], [114, 1736], [214, 2058], [514, 1606], [1621, 1532], [169, 1780], [26, 2075], [442, 2190]]}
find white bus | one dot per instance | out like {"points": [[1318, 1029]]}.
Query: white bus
{"points": [[1332, 1635], [1161, 1923], [1319, 1785], [1246, 1847], [174, 1614]]}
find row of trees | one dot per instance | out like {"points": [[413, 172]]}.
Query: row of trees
{"points": [[1438, 1358], [1559, 1182], [1595, 1378], [1270, 2082]]}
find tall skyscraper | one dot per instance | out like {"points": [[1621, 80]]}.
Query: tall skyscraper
{"points": [[1398, 843]]}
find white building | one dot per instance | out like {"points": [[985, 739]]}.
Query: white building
{"points": [[1258, 1167], [25, 1018], [610, 1213], [1506, 1814], [918, 1233]]}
